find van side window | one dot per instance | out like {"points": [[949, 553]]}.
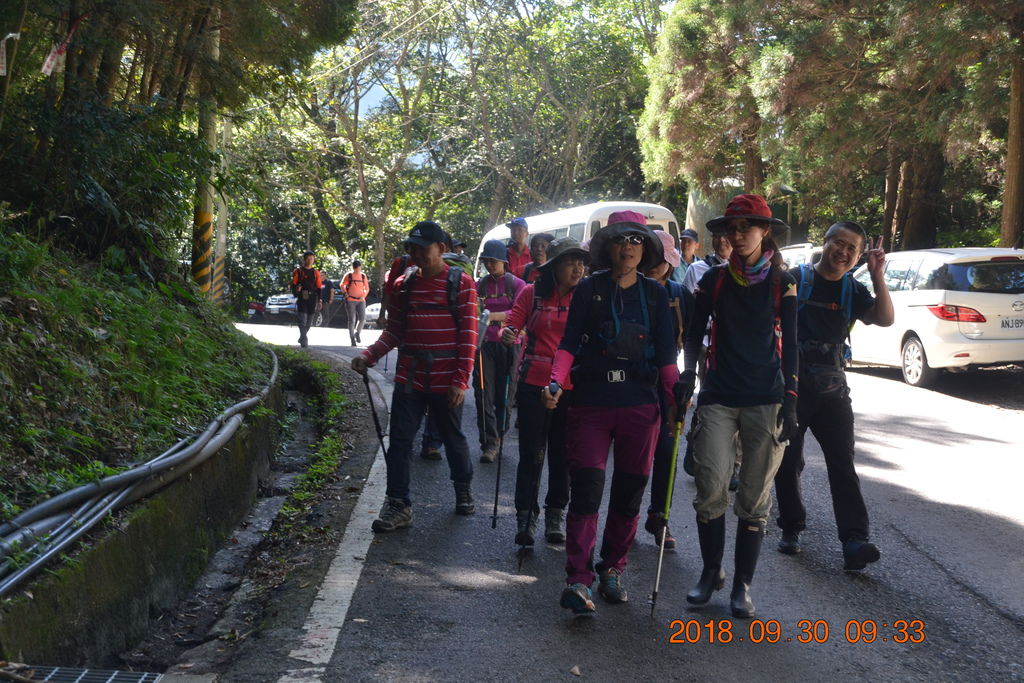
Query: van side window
{"points": [[576, 231], [899, 274], [933, 274], [864, 277]]}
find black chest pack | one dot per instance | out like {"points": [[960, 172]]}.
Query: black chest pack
{"points": [[825, 380], [615, 350]]}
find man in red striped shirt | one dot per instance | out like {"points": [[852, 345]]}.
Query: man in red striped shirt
{"points": [[432, 320]]}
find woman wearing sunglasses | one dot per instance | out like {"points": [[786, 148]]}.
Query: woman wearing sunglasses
{"points": [[619, 345], [749, 387]]}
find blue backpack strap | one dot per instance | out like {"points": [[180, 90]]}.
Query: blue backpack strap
{"points": [[846, 297], [806, 284]]}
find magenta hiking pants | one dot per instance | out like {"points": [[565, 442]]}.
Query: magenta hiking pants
{"points": [[592, 431]]}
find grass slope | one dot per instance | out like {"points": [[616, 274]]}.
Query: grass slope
{"points": [[100, 369]]}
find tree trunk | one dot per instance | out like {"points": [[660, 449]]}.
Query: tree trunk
{"points": [[899, 221], [753, 165], [892, 188], [1013, 191], [202, 228], [5, 87], [922, 212], [498, 203]]}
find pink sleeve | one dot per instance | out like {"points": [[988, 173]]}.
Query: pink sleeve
{"points": [[516, 318], [561, 367]]}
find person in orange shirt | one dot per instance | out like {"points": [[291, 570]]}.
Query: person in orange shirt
{"points": [[306, 285], [356, 287]]}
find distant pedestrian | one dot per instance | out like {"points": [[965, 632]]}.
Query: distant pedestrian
{"points": [[829, 301], [680, 304], [539, 253], [750, 386], [356, 287], [326, 299], [618, 343], [541, 311], [306, 286], [433, 323], [496, 292], [458, 246], [689, 241], [518, 250]]}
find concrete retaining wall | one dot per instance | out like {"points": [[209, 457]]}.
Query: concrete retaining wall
{"points": [[100, 604]]}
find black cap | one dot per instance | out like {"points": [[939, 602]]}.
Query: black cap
{"points": [[357, 264], [426, 233], [307, 253]]}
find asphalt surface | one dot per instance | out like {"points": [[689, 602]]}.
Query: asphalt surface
{"points": [[451, 599]]}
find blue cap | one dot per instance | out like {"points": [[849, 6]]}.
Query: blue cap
{"points": [[495, 249], [518, 220]]}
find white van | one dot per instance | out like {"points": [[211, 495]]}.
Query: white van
{"points": [[583, 221]]}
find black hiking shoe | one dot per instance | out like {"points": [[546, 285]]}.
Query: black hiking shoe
{"points": [[554, 525], [859, 554], [790, 543], [430, 453], [395, 514], [464, 499], [654, 524]]}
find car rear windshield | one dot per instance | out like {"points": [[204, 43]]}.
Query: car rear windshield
{"points": [[1006, 278]]}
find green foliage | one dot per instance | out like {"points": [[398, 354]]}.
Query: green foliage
{"points": [[99, 372]]}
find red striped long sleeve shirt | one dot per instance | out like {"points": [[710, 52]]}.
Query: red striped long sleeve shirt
{"points": [[427, 324]]}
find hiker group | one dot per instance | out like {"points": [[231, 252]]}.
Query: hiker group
{"points": [[584, 339]]}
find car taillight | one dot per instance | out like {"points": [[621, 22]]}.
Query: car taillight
{"points": [[960, 314]]}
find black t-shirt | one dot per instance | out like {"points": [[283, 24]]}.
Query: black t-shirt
{"points": [[744, 367], [824, 324]]}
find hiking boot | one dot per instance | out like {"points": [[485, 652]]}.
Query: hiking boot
{"points": [[395, 514], [554, 525], [430, 453], [577, 597], [790, 543], [610, 586], [858, 554], [489, 454], [712, 545], [654, 524], [526, 527], [464, 499]]}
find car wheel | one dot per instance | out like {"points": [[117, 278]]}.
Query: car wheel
{"points": [[319, 321], [916, 371]]}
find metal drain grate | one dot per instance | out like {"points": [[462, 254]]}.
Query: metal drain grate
{"points": [[63, 674]]}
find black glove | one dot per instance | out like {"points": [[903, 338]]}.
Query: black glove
{"points": [[787, 418], [683, 390]]}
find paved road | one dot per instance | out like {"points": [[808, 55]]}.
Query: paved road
{"points": [[448, 599]]}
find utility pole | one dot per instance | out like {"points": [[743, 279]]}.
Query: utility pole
{"points": [[202, 227]]}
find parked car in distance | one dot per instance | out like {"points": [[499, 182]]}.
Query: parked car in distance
{"points": [[796, 254], [255, 311], [281, 309], [372, 315], [955, 309]]}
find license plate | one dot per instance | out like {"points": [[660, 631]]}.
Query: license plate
{"points": [[1011, 323], [272, 311]]}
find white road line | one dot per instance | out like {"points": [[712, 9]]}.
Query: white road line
{"points": [[327, 614]]}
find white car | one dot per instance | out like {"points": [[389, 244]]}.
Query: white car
{"points": [[797, 254], [372, 315], [955, 309]]}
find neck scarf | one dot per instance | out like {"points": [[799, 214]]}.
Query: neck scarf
{"points": [[745, 275]]}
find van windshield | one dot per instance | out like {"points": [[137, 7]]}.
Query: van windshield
{"points": [[1000, 278]]}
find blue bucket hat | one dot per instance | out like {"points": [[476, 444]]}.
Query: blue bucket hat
{"points": [[495, 249]]}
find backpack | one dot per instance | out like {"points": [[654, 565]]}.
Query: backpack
{"points": [[452, 283], [716, 290], [803, 297], [510, 287]]}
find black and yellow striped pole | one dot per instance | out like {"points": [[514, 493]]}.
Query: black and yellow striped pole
{"points": [[202, 227]]}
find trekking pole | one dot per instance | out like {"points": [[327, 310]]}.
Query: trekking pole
{"points": [[668, 503], [373, 410]]}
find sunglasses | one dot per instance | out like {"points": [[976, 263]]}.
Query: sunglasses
{"points": [[628, 238], [740, 225]]}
